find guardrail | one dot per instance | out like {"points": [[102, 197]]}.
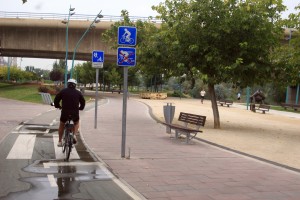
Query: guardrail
{"points": [[57, 16]]}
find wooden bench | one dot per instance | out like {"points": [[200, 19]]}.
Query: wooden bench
{"points": [[226, 102], [296, 107], [286, 105], [263, 108], [188, 119], [118, 91]]}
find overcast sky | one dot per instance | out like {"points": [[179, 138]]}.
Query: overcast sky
{"points": [[92, 7]]}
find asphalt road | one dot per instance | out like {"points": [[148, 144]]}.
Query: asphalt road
{"points": [[32, 166]]}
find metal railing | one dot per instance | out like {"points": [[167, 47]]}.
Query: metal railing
{"points": [[58, 16]]}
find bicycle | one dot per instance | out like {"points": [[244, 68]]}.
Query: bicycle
{"points": [[68, 138], [124, 39]]}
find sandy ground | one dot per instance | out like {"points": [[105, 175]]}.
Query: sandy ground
{"points": [[271, 136]]}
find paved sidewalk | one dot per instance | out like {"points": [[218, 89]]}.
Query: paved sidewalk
{"points": [[159, 167]]}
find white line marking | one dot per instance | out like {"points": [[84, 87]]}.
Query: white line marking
{"points": [[58, 150], [61, 164], [23, 147], [52, 180], [29, 132], [18, 128]]}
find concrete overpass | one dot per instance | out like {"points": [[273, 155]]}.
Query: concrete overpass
{"points": [[43, 35], [46, 38]]}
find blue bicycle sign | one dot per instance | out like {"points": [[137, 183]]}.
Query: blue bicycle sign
{"points": [[97, 59], [126, 56], [127, 35]]}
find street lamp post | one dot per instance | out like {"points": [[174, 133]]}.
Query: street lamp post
{"points": [[8, 68], [287, 88], [96, 20], [67, 34]]}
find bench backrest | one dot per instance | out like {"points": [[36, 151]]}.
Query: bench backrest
{"points": [[198, 120], [229, 101], [264, 106]]}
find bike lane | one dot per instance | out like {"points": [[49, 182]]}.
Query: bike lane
{"points": [[30, 168]]}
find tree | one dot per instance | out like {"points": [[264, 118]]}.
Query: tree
{"points": [[114, 77], [286, 57], [56, 75], [86, 73], [58, 70], [222, 41]]}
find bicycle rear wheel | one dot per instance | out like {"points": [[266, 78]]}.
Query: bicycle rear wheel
{"points": [[67, 146]]}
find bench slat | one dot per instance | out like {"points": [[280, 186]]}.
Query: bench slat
{"points": [[263, 108], [192, 119]]}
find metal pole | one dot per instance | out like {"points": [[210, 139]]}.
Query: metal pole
{"points": [[8, 68], [103, 80], [96, 98], [247, 96], [67, 34], [79, 41], [297, 94], [287, 88], [287, 95], [124, 112]]}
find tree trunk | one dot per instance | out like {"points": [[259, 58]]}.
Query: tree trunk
{"points": [[214, 106], [193, 82]]}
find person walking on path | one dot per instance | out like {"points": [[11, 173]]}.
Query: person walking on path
{"points": [[202, 94], [239, 96], [72, 102]]}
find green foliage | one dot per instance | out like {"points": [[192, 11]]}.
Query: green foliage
{"points": [[146, 56], [286, 58], [225, 40], [28, 93], [86, 73]]}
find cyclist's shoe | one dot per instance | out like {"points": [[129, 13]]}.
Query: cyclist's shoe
{"points": [[59, 144], [74, 140]]}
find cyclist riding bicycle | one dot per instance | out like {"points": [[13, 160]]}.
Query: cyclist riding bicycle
{"points": [[72, 102]]}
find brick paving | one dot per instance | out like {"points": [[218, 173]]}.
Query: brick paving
{"points": [[162, 168]]}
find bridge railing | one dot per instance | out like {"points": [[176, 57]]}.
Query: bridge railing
{"points": [[58, 16]]}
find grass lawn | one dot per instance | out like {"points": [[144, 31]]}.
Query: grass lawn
{"points": [[21, 92]]}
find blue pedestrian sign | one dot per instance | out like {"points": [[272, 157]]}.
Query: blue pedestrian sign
{"points": [[127, 35], [97, 59], [126, 56]]}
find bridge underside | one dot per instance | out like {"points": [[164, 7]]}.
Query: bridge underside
{"points": [[34, 38], [51, 55]]}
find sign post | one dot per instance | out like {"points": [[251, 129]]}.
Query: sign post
{"points": [[97, 62], [126, 58]]}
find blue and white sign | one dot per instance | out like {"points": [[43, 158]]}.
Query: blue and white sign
{"points": [[127, 35], [126, 56], [97, 59]]}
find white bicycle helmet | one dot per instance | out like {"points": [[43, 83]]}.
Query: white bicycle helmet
{"points": [[72, 83]]}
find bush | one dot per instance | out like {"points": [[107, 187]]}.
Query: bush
{"points": [[50, 89], [43, 89]]}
